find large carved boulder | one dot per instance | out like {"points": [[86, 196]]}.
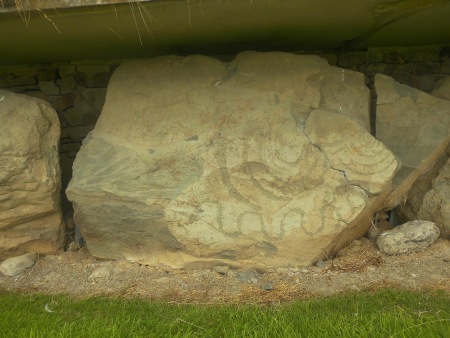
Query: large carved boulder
{"points": [[30, 214], [265, 161]]}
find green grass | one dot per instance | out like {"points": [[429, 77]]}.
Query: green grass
{"points": [[386, 313]]}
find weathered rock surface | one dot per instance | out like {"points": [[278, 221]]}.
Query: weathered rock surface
{"points": [[266, 161], [436, 202], [30, 215], [442, 89], [413, 236], [415, 126], [15, 265], [429, 198]]}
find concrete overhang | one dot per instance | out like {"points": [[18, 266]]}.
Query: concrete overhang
{"points": [[108, 29]]}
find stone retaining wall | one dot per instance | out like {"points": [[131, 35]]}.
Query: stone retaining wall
{"points": [[77, 90]]}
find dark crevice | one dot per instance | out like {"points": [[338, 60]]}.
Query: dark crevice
{"points": [[370, 83]]}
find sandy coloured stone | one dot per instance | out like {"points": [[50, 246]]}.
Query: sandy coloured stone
{"points": [[442, 89], [413, 236], [15, 265], [415, 126], [30, 214], [436, 202], [195, 162]]}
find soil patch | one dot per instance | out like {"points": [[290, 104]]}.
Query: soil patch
{"points": [[359, 266]]}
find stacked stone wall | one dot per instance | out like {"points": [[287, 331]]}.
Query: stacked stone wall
{"points": [[77, 89]]}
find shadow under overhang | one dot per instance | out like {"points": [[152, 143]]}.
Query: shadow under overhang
{"points": [[212, 27]]}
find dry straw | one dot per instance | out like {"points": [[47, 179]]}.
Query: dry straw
{"points": [[139, 12]]}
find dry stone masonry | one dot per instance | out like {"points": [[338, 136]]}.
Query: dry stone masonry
{"points": [[30, 212], [333, 100], [76, 91], [264, 161]]}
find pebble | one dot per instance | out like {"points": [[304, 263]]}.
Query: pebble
{"points": [[101, 272], [413, 236], [320, 263], [248, 276], [221, 269], [267, 286]]}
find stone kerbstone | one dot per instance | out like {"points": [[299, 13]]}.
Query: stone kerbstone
{"points": [[415, 126], [413, 236], [15, 265], [30, 215], [267, 161]]}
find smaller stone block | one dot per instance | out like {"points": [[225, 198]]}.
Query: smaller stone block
{"points": [[67, 85], [18, 81], [81, 114], [65, 101], [49, 87], [66, 69], [405, 69], [413, 236], [423, 54], [427, 82], [15, 265], [47, 74], [25, 71]]}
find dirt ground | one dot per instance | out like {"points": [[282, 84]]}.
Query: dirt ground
{"points": [[358, 266]]}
